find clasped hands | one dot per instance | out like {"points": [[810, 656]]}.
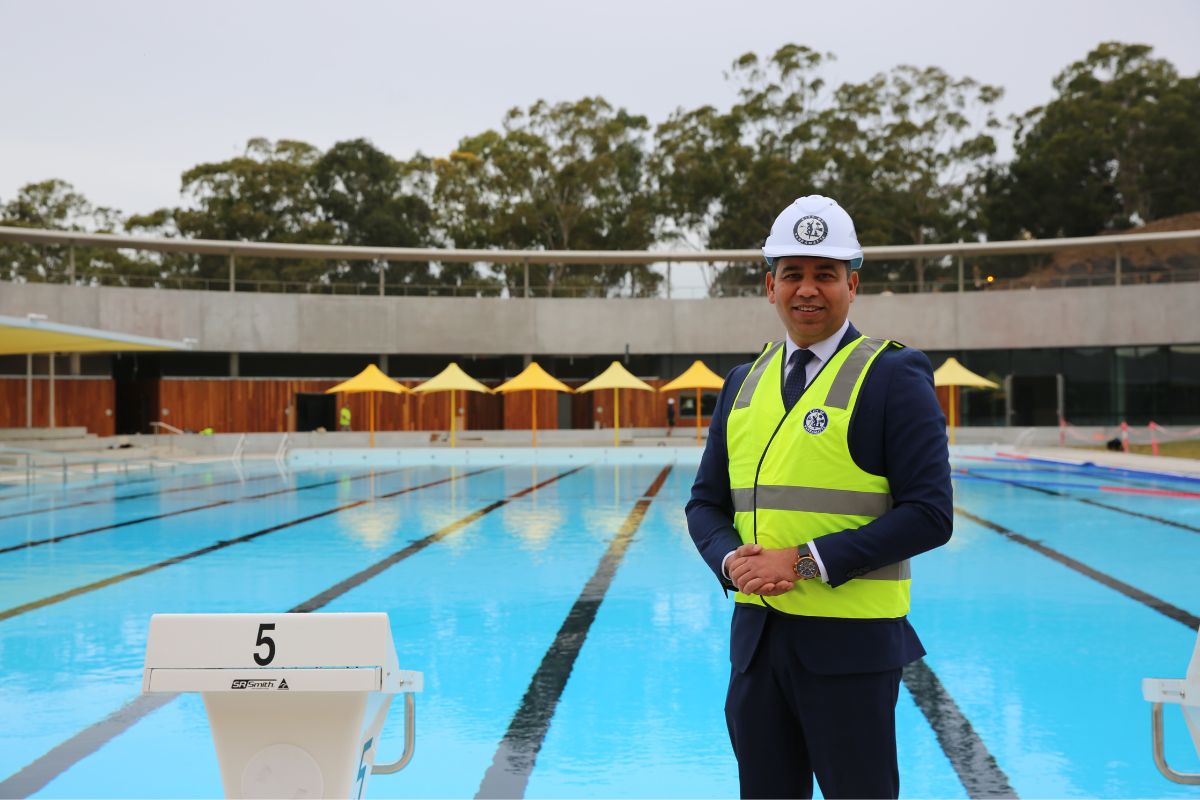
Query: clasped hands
{"points": [[756, 570]]}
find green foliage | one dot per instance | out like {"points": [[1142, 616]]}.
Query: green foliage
{"points": [[564, 176], [904, 153], [910, 153], [1116, 146], [56, 205], [370, 199]]}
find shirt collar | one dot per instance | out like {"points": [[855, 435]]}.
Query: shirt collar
{"points": [[822, 350]]}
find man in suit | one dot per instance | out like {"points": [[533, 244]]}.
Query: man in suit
{"points": [[826, 470]]}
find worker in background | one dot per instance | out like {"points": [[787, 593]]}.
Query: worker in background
{"points": [[344, 419]]}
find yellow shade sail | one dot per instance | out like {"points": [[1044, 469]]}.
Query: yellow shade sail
{"points": [[615, 377], [952, 373], [370, 379], [697, 376], [451, 378], [533, 378], [22, 335]]}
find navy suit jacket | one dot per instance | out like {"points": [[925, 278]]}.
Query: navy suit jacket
{"points": [[898, 431]]}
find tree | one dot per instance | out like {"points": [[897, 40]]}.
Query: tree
{"points": [[721, 178], [370, 199], [564, 176], [264, 195], [55, 204], [902, 152], [1117, 146], [907, 153]]}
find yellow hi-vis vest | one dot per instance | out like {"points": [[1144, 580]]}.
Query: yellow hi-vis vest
{"points": [[793, 480], [345, 415]]}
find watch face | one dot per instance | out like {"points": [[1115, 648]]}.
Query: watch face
{"points": [[806, 568]]}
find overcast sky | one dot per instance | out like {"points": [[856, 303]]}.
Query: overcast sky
{"points": [[119, 98]]}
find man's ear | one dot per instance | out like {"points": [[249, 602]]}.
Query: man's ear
{"points": [[770, 286]]}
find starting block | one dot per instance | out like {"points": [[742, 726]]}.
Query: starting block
{"points": [[1185, 693], [296, 702]]}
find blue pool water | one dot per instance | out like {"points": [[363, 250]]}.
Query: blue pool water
{"points": [[1041, 660]]}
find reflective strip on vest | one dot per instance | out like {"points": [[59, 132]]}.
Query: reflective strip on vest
{"points": [[751, 382], [847, 377], [817, 501]]}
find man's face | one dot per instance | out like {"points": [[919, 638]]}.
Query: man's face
{"points": [[812, 296]]}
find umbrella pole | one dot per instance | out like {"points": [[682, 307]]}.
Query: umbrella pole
{"points": [[371, 400], [697, 415], [616, 418], [534, 405], [452, 418]]}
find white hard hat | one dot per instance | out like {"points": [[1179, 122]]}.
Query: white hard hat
{"points": [[814, 226]]}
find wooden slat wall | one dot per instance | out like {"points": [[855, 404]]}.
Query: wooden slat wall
{"points": [[78, 402], [252, 406]]}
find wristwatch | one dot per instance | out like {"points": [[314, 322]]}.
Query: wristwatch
{"points": [[806, 566]]}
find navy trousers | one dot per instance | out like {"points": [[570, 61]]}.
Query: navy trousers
{"points": [[787, 723]]}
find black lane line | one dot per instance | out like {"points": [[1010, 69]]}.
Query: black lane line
{"points": [[1096, 503], [107, 500], [214, 504], [508, 776], [977, 769], [35, 775], [1132, 592], [212, 548]]}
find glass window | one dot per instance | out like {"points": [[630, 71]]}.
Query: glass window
{"points": [[1183, 385], [1141, 384], [985, 406], [1088, 385]]}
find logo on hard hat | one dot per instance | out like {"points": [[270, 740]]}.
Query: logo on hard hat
{"points": [[810, 230], [816, 421]]}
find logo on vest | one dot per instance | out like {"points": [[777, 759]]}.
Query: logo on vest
{"points": [[816, 421]]}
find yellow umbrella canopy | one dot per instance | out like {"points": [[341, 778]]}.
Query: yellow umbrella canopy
{"points": [[953, 374], [616, 377], [452, 379], [698, 376], [531, 379], [370, 379]]}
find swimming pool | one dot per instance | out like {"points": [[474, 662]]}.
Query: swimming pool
{"points": [[561, 611]]}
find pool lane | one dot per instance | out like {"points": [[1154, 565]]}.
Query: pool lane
{"points": [[1136, 550], [39, 497], [1045, 662], [643, 713], [81, 659], [474, 568], [37, 574]]}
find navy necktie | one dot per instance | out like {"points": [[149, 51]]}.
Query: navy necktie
{"points": [[793, 387]]}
